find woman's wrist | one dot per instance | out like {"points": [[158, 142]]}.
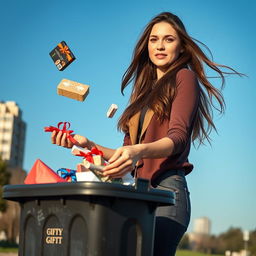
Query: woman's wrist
{"points": [[90, 144], [142, 150]]}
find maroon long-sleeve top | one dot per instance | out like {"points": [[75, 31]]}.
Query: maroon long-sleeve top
{"points": [[178, 128]]}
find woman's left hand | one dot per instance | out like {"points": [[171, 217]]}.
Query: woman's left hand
{"points": [[123, 161]]}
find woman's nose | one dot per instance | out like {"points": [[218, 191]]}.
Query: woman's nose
{"points": [[160, 45]]}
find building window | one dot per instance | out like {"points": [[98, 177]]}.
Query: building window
{"points": [[5, 130], [3, 118]]}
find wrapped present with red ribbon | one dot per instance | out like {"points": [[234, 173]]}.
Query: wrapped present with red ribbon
{"points": [[94, 161], [41, 173], [62, 56], [64, 127], [94, 155], [67, 174], [75, 150]]}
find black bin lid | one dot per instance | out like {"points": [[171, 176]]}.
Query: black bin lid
{"points": [[141, 191]]}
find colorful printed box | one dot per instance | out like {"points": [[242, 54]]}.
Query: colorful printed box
{"points": [[62, 56]]}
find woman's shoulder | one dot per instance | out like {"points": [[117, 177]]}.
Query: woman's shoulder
{"points": [[186, 76], [185, 73]]}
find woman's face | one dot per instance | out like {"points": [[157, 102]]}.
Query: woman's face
{"points": [[164, 46]]}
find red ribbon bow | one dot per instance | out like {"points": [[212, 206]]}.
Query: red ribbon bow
{"points": [[89, 156], [62, 126]]}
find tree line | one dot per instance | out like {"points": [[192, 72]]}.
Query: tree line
{"points": [[231, 240]]}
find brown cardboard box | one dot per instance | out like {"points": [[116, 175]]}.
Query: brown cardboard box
{"points": [[73, 90]]}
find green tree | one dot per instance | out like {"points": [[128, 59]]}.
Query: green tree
{"points": [[4, 179], [231, 240]]}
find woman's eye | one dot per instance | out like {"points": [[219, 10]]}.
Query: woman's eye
{"points": [[169, 40], [152, 40]]}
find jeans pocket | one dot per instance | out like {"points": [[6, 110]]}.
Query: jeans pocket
{"points": [[168, 211], [179, 212]]}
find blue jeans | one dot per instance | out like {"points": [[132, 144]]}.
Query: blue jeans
{"points": [[171, 221]]}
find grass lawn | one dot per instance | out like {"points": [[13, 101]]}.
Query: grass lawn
{"points": [[191, 253], [179, 252], [3, 249]]}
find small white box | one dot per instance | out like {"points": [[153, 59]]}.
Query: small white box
{"points": [[86, 176], [112, 110]]}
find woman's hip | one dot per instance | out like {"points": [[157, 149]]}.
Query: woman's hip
{"points": [[175, 181]]}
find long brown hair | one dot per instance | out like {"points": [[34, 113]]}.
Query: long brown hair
{"points": [[156, 94]]}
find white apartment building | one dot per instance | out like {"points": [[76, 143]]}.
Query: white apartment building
{"points": [[202, 226], [201, 233], [12, 134]]}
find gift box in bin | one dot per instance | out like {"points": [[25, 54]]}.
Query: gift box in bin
{"points": [[67, 174], [93, 162], [92, 166], [84, 174], [41, 173]]}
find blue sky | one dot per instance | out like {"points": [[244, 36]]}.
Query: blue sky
{"points": [[102, 35]]}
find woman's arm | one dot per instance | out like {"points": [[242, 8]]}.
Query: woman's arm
{"points": [[125, 158], [184, 108], [60, 139], [157, 149]]}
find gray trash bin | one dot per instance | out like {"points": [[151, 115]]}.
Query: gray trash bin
{"points": [[87, 218]]}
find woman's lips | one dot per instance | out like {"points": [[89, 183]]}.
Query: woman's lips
{"points": [[160, 56]]}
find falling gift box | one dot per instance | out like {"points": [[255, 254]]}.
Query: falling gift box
{"points": [[62, 56], [73, 90], [112, 110]]}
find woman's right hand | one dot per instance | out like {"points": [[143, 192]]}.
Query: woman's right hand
{"points": [[60, 139]]}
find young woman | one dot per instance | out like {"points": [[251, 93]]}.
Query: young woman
{"points": [[170, 106]]}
